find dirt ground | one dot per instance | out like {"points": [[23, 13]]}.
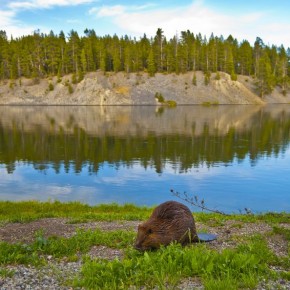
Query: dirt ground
{"points": [[120, 88], [228, 234], [26, 277]]}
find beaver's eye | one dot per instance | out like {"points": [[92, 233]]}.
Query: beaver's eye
{"points": [[150, 231]]}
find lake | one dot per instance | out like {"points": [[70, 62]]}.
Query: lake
{"points": [[231, 156]]}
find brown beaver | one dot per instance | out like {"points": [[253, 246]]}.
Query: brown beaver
{"points": [[170, 221]]}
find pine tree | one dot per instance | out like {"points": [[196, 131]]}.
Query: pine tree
{"points": [[265, 76], [158, 48], [83, 61], [151, 64], [194, 79], [245, 58], [282, 68]]}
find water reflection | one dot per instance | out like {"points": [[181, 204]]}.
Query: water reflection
{"points": [[86, 153], [185, 137]]}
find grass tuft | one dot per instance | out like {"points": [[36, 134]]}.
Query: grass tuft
{"points": [[230, 269]]}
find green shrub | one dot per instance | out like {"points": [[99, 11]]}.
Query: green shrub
{"points": [[207, 78], [171, 103], [217, 76], [234, 77], [74, 79], [159, 97], [70, 88], [50, 87]]}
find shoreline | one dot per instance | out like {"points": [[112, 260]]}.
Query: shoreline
{"points": [[47, 250]]}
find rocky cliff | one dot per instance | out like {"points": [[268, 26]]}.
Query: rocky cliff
{"points": [[134, 89]]}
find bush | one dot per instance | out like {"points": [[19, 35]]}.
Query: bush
{"points": [[159, 97], [234, 77], [206, 78], [70, 88], [194, 79], [217, 76], [171, 103], [50, 87], [74, 79]]}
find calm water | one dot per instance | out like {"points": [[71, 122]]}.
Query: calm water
{"points": [[232, 156]]}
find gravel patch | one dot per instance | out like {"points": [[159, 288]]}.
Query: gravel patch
{"points": [[55, 273]]}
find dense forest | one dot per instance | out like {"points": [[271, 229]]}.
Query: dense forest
{"points": [[41, 55]]}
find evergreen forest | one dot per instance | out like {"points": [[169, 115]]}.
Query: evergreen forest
{"points": [[41, 55]]}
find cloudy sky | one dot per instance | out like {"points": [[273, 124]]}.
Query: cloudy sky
{"points": [[245, 19]]}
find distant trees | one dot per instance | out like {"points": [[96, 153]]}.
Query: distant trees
{"points": [[40, 55]]}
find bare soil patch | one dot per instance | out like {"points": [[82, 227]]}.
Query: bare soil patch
{"points": [[25, 232], [230, 234]]}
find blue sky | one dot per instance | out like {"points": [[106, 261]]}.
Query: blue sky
{"points": [[246, 19]]}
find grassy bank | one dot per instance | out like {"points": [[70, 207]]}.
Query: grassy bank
{"points": [[239, 259]]}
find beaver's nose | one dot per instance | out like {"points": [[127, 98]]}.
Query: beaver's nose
{"points": [[138, 247]]}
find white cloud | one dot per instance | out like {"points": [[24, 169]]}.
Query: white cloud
{"points": [[106, 11], [196, 17], [10, 23], [44, 4], [12, 26], [109, 11], [55, 190], [5, 177]]}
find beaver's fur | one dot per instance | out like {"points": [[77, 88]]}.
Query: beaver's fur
{"points": [[170, 221]]}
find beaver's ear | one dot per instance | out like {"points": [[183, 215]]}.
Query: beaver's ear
{"points": [[149, 231]]}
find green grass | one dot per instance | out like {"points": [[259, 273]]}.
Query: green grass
{"points": [[33, 210], [282, 231], [26, 211], [215, 219], [240, 267], [230, 269], [5, 273], [62, 247]]}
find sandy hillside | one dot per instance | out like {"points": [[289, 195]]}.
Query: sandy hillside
{"points": [[134, 89]]}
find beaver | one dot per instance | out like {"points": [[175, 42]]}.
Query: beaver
{"points": [[170, 221]]}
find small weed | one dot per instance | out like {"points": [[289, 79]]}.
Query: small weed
{"points": [[234, 77], [285, 275], [159, 97], [11, 85], [237, 225], [194, 80], [70, 89], [5, 273], [207, 104], [282, 231], [60, 247], [50, 87], [217, 76], [74, 79]]}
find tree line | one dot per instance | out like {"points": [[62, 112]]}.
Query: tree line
{"points": [[41, 55]]}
